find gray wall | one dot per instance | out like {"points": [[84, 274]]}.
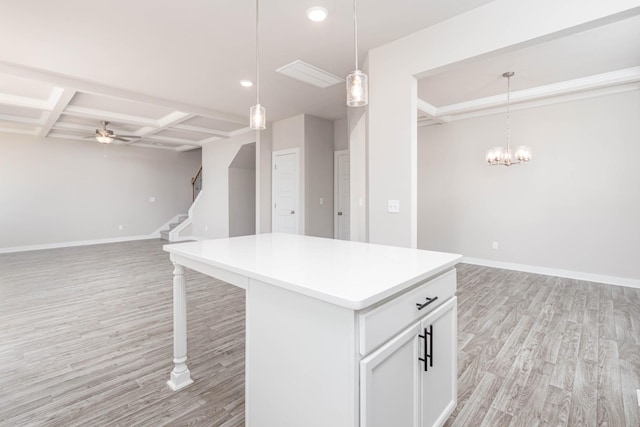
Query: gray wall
{"points": [[575, 207], [242, 202], [340, 135], [57, 191], [242, 192], [318, 139], [313, 137]]}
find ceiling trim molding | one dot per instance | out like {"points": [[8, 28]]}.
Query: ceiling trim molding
{"points": [[74, 110], [587, 87], [431, 111], [61, 102], [172, 140], [163, 123], [551, 101], [34, 131], [149, 145], [241, 131], [198, 129]]}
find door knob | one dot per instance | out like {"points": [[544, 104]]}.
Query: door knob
{"points": [[293, 212], [339, 213]]}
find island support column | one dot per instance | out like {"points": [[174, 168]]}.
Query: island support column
{"points": [[180, 376]]}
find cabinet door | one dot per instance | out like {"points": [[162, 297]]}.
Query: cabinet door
{"points": [[438, 382], [389, 383]]}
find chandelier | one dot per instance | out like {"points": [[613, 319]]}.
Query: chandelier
{"points": [[500, 155]]}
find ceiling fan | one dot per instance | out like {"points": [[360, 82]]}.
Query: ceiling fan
{"points": [[107, 136]]}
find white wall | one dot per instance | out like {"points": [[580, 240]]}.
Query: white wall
{"points": [[575, 207], [318, 140], [211, 215], [496, 27], [57, 191]]}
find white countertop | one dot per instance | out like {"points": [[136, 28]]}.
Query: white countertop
{"points": [[349, 274]]}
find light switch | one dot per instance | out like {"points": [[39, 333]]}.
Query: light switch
{"points": [[322, 200], [152, 199], [394, 206]]}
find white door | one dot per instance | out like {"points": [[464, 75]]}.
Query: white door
{"points": [[438, 382], [389, 383], [285, 218], [341, 180]]}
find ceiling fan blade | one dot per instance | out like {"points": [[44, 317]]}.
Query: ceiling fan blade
{"points": [[129, 136], [89, 137], [117, 138]]}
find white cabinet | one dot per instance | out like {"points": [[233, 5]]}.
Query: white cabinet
{"points": [[411, 380], [389, 383], [438, 386]]}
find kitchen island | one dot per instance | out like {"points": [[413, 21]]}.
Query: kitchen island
{"points": [[338, 333]]}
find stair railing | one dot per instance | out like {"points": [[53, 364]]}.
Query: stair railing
{"points": [[196, 184]]}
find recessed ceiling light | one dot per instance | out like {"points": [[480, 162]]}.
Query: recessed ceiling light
{"points": [[246, 83], [317, 14]]}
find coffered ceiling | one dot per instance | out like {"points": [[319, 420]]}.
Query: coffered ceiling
{"points": [[33, 107], [169, 71]]}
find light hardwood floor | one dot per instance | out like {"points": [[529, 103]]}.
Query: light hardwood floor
{"points": [[85, 340]]}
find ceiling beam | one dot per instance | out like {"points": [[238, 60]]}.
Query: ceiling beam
{"points": [[103, 90], [59, 104]]}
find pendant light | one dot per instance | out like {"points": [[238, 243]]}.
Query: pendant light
{"points": [[357, 81], [257, 113], [500, 156]]}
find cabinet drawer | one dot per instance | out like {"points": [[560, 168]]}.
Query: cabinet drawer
{"points": [[383, 322]]}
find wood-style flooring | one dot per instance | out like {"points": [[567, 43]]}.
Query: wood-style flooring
{"points": [[86, 340]]}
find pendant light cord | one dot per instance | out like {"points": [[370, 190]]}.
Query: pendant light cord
{"points": [[257, 59], [355, 32]]}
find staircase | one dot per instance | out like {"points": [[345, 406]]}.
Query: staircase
{"points": [[164, 234]]}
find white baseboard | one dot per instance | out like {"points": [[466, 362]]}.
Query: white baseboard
{"points": [[588, 277], [77, 243]]}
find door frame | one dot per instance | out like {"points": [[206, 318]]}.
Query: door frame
{"points": [[300, 207], [336, 195]]}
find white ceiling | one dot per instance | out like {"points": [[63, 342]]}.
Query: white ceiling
{"points": [[168, 71]]}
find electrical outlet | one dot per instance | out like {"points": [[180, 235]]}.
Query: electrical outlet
{"points": [[152, 199], [393, 206], [494, 245]]}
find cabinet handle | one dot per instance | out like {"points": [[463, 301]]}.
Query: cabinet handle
{"points": [[428, 333], [429, 301]]}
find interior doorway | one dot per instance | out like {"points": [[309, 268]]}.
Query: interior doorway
{"points": [[285, 192]]}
